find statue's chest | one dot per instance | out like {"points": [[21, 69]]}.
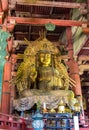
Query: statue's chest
{"points": [[45, 72]]}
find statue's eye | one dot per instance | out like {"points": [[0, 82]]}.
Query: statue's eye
{"points": [[41, 55], [48, 55]]}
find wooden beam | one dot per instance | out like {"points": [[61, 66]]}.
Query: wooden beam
{"points": [[52, 4], [85, 48], [84, 67], [27, 14], [35, 33], [82, 45], [21, 56], [1, 17], [83, 58], [1, 6], [43, 21], [88, 9], [20, 42], [86, 30], [85, 83]]}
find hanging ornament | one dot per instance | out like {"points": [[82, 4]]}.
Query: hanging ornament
{"points": [[50, 26]]}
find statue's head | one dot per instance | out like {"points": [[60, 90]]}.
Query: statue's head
{"points": [[44, 58]]}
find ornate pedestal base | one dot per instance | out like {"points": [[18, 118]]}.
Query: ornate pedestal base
{"points": [[52, 99]]}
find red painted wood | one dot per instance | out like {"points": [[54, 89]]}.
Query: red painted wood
{"points": [[7, 70], [72, 129], [74, 74], [41, 21], [73, 65], [85, 30], [9, 122], [5, 5], [53, 4], [1, 16], [5, 106], [82, 128], [0, 6], [74, 70], [9, 44]]}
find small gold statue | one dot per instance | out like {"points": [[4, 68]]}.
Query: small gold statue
{"points": [[61, 108], [77, 107], [52, 111]]}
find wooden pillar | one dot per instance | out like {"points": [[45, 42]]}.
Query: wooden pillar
{"points": [[6, 88], [13, 61], [88, 10], [1, 6], [73, 65], [5, 5], [74, 72], [9, 45], [5, 106]]}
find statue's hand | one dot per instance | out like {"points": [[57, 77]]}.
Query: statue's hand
{"points": [[33, 75]]}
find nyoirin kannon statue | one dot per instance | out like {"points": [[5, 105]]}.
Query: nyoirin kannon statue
{"points": [[42, 76]]}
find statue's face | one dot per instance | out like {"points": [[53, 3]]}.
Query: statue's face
{"points": [[45, 58]]}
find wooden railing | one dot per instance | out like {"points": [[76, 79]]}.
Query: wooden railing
{"points": [[9, 122]]}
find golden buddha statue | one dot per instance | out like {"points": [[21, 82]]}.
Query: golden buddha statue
{"points": [[42, 76], [61, 108], [48, 78], [42, 68]]}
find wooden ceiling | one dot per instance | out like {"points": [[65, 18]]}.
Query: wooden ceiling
{"points": [[32, 16]]}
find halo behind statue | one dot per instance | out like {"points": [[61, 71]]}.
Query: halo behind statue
{"points": [[40, 45]]}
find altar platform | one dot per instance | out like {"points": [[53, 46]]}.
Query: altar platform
{"points": [[9, 122], [53, 129]]}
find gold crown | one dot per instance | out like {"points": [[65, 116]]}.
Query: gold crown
{"points": [[41, 45]]}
